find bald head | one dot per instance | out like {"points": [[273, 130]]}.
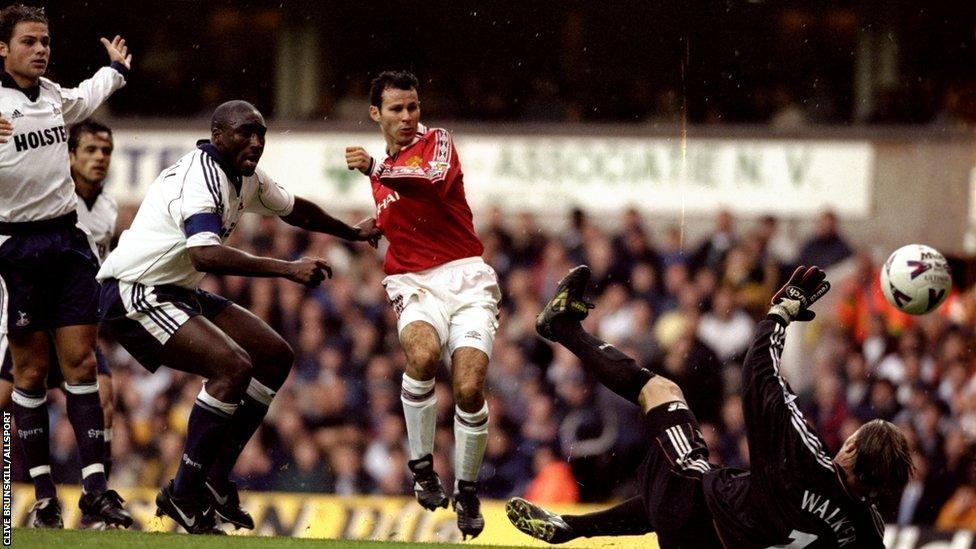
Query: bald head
{"points": [[237, 130], [227, 113]]}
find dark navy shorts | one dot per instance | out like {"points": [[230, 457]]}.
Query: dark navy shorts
{"points": [[671, 478], [47, 275], [143, 318], [54, 376]]}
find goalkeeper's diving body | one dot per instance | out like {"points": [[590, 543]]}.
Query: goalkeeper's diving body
{"points": [[794, 495]]}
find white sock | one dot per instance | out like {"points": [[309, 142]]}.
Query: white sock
{"points": [[470, 439], [420, 413]]}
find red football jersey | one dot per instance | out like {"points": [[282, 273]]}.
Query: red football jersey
{"points": [[420, 205]]}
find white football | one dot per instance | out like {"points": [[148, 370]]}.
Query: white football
{"points": [[916, 279]]}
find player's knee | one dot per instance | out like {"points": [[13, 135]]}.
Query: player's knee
{"points": [[79, 370], [32, 376], [663, 385], [284, 354], [423, 358], [273, 369], [659, 390], [235, 368]]}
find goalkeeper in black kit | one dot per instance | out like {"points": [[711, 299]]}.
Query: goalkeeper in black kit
{"points": [[795, 495]]}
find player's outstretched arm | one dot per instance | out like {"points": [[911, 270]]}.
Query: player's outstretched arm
{"points": [[309, 216], [778, 436], [79, 103], [219, 259], [118, 52], [6, 130]]}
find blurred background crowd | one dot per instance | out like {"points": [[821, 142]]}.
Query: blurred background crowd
{"points": [[685, 309], [787, 64], [684, 305]]}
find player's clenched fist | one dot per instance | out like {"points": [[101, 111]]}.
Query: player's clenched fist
{"points": [[358, 159], [6, 129], [368, 231], [310, 271]]}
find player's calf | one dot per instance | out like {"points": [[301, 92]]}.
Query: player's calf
{"points": [[559, 321]]}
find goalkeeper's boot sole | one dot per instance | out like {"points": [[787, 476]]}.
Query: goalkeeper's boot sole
{"points": [[535, 521], [567, 304]]}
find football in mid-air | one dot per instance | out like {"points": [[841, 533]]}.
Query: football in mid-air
{"points": [[916, 279]]}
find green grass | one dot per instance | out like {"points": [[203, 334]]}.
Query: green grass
{"points": [[60, 539]]}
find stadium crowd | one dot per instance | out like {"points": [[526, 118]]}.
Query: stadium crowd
{"points": [[686, 309]]}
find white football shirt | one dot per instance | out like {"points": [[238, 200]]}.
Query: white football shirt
{"points": [[35, 179], [153, 251], [99, 221]]}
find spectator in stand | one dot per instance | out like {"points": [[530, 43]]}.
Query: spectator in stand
{"points": [[862, 304], [305, 471], [959, 513], [337, 403], [347, 466], [503, 473], [826, 247], [828, 411], [726, 329], [711, 253], [553, 482]]}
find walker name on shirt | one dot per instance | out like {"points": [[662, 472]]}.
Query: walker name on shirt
{"points": [[839, 523], [40, 138]]}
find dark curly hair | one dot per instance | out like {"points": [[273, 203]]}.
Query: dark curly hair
{"points": [[18, 13], [397, 80]]}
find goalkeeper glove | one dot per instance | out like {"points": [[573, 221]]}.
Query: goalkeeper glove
{"points": [[802, 290]]}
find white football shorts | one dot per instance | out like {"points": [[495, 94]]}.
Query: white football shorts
{"points": [[459, 299]]}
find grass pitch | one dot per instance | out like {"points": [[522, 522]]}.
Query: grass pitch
{"points": [[61, 539]]}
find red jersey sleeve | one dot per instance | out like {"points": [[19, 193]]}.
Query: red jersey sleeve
{"points": [[437, 170]]}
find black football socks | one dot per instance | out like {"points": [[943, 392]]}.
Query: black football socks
{"points": [[86, 417], [617, 371], [626, 519], [206, 433], [30, 413], [248, 417]]}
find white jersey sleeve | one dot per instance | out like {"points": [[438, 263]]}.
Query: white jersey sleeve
{"points": [[271, 198], [79, 103], [202, 194]]}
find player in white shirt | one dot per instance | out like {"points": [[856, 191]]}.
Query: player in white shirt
{"points": [[90, 153], [90, 147], [153, 306], [47, 264]]}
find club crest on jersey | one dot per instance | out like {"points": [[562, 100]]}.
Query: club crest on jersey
{"points": [[437, 168], [414, 161]]}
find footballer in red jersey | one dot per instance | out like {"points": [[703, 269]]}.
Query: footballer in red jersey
{"points": [[446, 297]]}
